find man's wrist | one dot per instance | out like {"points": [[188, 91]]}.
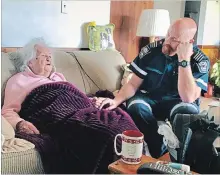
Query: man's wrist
{"points": [[184, 58], [183, 63]]}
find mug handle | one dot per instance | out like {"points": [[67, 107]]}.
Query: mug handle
{"points": [[118, 135]]}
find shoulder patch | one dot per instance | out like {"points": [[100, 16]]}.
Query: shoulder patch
{"points": [[198, 56], [144, 51], [203, 66]]}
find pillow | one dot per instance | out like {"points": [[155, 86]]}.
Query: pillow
{"points": [[7, 130], [16, 145], [100, 37], [126, 75]]}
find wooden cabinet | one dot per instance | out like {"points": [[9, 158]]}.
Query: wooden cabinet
{"points": [[125, 15]]}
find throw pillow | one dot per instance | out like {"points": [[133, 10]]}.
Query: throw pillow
{"points": [[100, 37]]}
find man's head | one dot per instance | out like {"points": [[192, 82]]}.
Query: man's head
{"points": [[41, 63], [181, 31]]}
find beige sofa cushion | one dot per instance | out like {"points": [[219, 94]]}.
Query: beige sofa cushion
{"points": [[7, 70], [7, 129], [16, 145], [104, 68]]}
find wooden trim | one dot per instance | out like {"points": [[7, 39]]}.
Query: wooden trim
{"points": [[209, 46], [13, 49]]}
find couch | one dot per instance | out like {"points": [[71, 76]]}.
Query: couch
{"points": [[103, 67]]}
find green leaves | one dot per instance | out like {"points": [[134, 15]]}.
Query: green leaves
{"points": [[215, 74]]}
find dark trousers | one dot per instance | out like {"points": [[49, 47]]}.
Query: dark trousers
{"points": [[146, 112]]}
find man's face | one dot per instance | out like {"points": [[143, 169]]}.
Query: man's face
{"points": [[171, 43], [42, 64], [175, 37]]}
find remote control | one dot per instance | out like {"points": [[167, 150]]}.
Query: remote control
{"points": [[158, 168]]}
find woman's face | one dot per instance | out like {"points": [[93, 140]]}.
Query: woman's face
{"points": [[42, 64]]}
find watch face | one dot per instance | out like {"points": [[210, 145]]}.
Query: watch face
{"points": [[184, 63]]}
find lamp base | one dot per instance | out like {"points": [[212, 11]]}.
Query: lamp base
{"points": [[152, 39]]}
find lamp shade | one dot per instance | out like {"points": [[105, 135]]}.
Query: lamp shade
{"points": [[153, 22]]}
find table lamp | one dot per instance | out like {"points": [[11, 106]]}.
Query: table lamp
{"points": [[153, 23]]}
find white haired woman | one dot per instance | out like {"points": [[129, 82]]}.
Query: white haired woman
{"points": [[36, 69]]}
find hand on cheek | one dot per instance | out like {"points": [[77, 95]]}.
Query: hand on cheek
{"points": [[185, 51]]}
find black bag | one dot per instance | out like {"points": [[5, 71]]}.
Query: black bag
{"points": [[196, 135]]}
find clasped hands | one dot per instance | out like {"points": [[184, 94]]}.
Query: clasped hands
{"points": [[100, 102]]}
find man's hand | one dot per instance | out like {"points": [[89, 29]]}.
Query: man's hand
{"points": [[184, 51], [100, 102], [112, 103], [27, 127]]}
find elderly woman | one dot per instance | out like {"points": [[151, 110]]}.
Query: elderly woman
{"points": [[39, 101], [38, 71]]}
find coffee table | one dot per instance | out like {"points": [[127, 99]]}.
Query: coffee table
{"points": [[119, 167]]}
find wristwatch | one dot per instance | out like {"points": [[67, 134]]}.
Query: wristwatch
{"points": [[183, 63]]}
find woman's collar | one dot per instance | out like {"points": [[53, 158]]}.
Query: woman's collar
{"points": [[32, 74]]}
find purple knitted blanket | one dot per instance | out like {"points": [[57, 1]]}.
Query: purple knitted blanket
{"points": [[75, 136]]}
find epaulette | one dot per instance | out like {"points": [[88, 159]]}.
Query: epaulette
{"points": [[198, 56], [147, 49]]}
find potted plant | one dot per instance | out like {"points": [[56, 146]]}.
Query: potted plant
{"points": [[215, 78]]}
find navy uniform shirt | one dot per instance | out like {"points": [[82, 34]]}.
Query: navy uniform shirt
{"points": [[160, 72]]}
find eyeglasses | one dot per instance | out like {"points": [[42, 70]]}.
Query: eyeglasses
{"points": [[175, 40]]}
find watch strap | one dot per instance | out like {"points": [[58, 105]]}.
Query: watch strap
{"points": [[183, 63]]}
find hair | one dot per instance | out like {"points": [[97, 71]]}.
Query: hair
{"points": [[27, 53]]}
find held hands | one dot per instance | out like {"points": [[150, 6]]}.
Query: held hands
{"points": [[101, 102], [27, 127], [185, 51]]}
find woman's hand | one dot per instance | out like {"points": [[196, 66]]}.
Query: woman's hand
{"points": [[27, 127]]}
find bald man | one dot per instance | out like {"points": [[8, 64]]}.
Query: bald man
{"points": [[168, 76]]}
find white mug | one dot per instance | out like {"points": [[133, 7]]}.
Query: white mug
{"points": [[132, 146]]}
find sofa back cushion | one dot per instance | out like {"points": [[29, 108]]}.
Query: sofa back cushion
{"points": [[103, 67], [7, 70]]}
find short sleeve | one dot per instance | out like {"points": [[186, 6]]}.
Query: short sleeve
{"points": [[139, 63], [201, 70]]}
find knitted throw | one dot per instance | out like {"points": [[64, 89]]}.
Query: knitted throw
{"points": [[75, 136]]}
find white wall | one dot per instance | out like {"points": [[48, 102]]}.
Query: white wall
{"points": [[202, 15], [175, 8], [211, 31], [23, 20]]}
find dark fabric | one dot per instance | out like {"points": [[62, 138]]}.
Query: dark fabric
{"points": [[146, 118], [81, 135], [196, 135]]}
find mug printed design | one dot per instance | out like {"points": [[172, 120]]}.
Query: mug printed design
{"points": [[131, 159], [132, 141]]}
